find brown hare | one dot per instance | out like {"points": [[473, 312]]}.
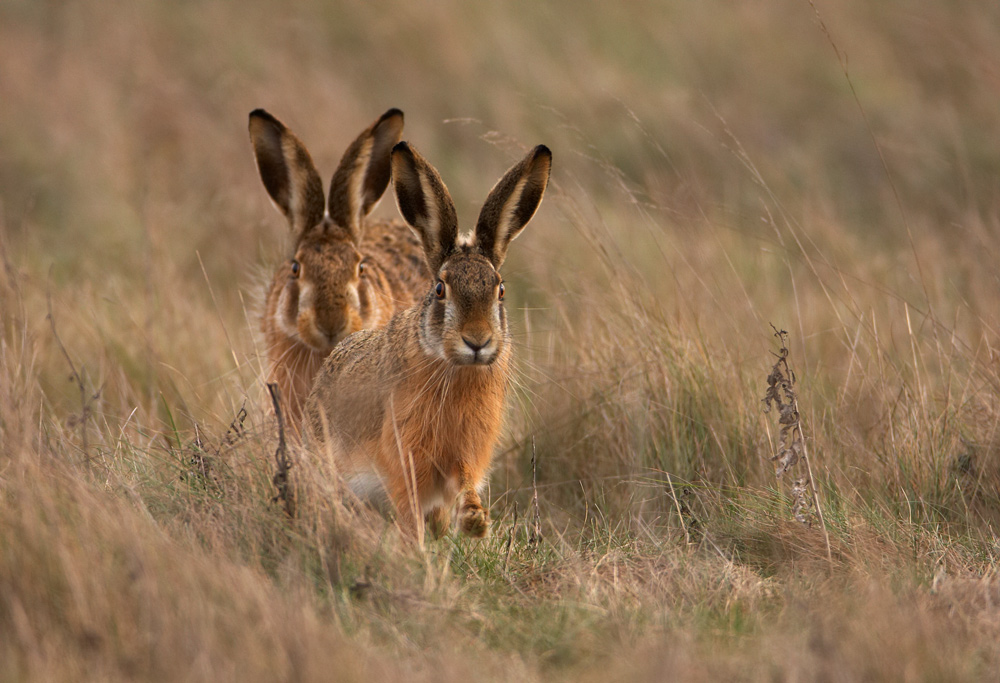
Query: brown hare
{"points": [[413, 410], [344, 275]]}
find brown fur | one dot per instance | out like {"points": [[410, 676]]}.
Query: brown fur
{"points": [[413, 410], [351, 275]]}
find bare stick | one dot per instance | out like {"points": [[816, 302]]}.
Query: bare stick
{"points": [[75, 377], [677, 504], [536, 532], [281, 459], [510, 540], [819, 509]]}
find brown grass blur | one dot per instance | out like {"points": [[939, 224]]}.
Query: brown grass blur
{"points": [[832, 169]]}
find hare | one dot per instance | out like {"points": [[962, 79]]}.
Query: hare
{"points": [[344, 275], [413, 410]]}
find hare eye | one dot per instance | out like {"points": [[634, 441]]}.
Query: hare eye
{"points": [[361, 268], [296, 268], [439, 289], [500, 297]]}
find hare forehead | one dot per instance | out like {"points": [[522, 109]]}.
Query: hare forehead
{"points": [[471, 276], [328, 256]]}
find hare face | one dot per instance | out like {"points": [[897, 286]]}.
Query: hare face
{"points": [[462, 319], [319, 303], [466, 320]]}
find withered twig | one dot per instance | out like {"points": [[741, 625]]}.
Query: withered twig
{"points": [[792, 442], [680, 513], [74, 376], [536, 532], [281, 459], [236, 430], [510, 540]]}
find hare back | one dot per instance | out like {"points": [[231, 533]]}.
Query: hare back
{"points": [[346, 405], [398, 252], [344, 409]]}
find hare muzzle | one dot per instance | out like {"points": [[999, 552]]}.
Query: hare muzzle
{"points": [[477, 344]]}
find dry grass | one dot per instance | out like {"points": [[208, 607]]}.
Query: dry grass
{"points": [[716, 170]]}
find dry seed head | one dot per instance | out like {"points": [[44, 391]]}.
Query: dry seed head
{"points": [[781, 392]]}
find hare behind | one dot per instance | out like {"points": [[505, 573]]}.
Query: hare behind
{"points": [[413, 410], [344, 275]]}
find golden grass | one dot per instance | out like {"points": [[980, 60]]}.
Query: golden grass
{"points": [[715, 171]]}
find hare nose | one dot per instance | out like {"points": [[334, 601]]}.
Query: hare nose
{"points": [[475, 344]]}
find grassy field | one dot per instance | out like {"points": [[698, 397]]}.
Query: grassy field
{"points": [[832, 169]]}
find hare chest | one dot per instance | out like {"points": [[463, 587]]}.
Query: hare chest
{"points": [[438, 435]]}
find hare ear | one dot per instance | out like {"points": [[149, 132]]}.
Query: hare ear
{"points": [[511, 204], [287, 171], [363, 174], [425, 204]]}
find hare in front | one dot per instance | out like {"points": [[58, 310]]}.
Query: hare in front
{"points": [[344, 275], [413, 410]]}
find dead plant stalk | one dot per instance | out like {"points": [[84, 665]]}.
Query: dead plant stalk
{"points": [[792, 445]]}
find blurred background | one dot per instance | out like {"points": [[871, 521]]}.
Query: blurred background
{"points": [[677, 126], [831, 168]]}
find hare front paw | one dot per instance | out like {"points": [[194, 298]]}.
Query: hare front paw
{"points": [[474, 521]]}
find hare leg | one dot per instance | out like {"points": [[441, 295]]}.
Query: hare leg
{"points": [[403, 501], [473, 518], [438, 520]]}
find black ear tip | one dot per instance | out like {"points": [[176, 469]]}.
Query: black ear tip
{"points": [[541, 151], [262, 116], [402, 147], [392, 113]]}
